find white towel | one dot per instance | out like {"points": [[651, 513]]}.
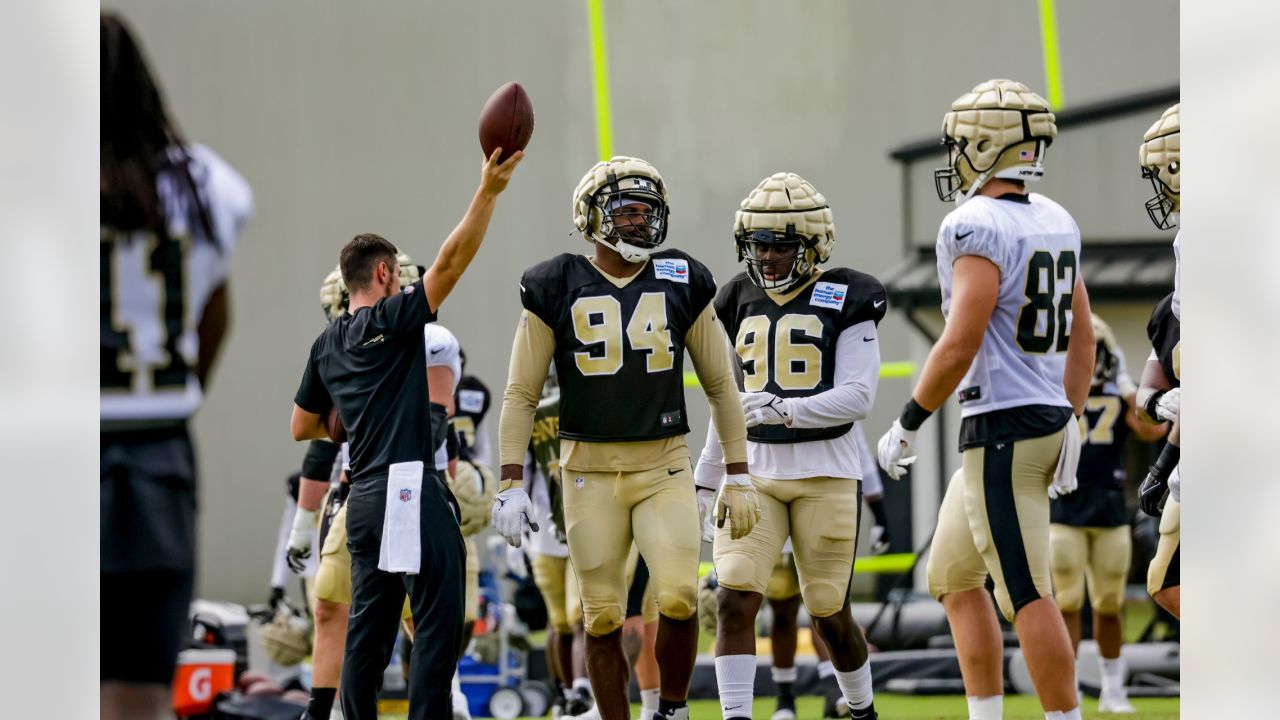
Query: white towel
{"points": [[401, 549]]}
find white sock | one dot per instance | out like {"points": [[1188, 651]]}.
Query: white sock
{"points": [[986, 708], [783, 675], [826, 669], [856, 686], [648, 703], [1113, 672], [736, 679], [459, 700], [1072, 714], [582, 683]]}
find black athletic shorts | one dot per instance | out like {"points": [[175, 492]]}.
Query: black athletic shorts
{"points": [[148, 503], [148, 551], [144, 622]]}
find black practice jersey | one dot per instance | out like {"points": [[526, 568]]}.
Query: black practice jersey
{"points": [[1099, 497], [789, 349], [619, 350], [373, 366], [1165, 333], [471, 403]]}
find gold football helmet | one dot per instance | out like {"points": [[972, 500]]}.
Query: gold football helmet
{"points": [[999, 129], [1160, 158], [605, 202], [784, 210]]}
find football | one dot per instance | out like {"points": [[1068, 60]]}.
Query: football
{"points": [[333, 424], [506, 121]]}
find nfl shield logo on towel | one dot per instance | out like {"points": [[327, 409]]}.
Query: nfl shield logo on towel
{"points": [[406, 494]]}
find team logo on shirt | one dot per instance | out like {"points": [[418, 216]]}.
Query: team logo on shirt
{"points": [[672, 269], [406, 494], [828, 295]]}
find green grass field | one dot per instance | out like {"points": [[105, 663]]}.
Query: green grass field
{"points": [[951, 707]]}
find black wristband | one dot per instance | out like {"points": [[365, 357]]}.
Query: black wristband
{"points": [[913, 416], [1153, 401]]}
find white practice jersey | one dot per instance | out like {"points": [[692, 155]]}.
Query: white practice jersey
{"points": [[442, 350], [857, 375], [1036, 245], [154, 293]]}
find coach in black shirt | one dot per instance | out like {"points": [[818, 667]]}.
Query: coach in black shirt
{"points": [[371, 365]]}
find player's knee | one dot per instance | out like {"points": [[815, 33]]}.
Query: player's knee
{"points": [[1108, 604], [679, 603], [1069, 600], [604, 621], [736, 571], [824, 599], [559, 622], [327, 612]]}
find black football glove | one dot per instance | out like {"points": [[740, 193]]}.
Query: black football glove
{"points": [[1155, 487]]}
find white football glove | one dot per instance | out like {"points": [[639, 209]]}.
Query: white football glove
{"points": [[893, 450], [879, 539], [513, 514], [1169, 404], [706, 503], [1064, 477], [763, 408], [304, 528]]}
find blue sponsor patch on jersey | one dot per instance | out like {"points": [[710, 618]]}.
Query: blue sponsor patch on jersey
{"points": [[829, 295], [672, 269]]}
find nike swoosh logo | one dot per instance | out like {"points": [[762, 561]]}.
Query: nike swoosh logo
{"points": [[877, 304], [961, 236], [868, 339], [732, 707], [672, 472]]}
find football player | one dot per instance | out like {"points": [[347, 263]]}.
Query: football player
{"points": [[333, 577], [783, 595], [171, 213], [1008, 264], [1160, 156], [808, 363], [1089, 535], [471, 406], [1159, 401], [617, 325]]}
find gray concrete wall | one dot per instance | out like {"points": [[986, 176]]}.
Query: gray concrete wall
{"points": [[351, 117]]}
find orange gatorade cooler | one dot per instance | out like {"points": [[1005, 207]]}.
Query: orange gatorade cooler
{"points": [[201, 675]]}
